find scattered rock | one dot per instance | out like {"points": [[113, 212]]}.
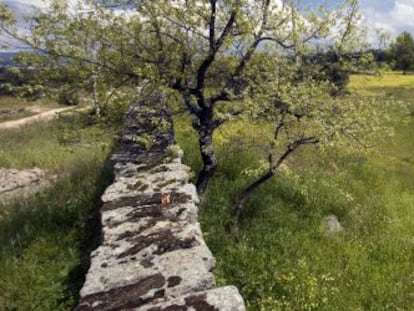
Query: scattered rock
{"points": [[21, 182], [332, 224]]}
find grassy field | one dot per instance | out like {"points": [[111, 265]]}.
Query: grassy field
{"points": [[389, 85], [281, 257], [53, 145], [45, 240]]}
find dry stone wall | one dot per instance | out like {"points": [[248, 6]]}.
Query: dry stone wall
{"points": [[152, 256]]}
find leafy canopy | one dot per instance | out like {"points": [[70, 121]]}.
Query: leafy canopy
{"points": [[222, 58], [403, 52]]}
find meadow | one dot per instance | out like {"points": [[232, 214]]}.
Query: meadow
{"points": [[46, 239], [281, 257]]}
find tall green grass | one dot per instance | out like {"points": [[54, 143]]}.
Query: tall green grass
{"points": [[46, 239], [281, 257], [55, 145]]}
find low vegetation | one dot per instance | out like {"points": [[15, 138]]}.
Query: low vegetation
{"points": [[54, 146], [281, 256], [46, 239], [389, 85]]}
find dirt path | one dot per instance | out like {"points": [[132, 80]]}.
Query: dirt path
{"points": [[43, 116]]}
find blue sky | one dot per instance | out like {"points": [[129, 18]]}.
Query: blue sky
{"points": [[394, 16]]}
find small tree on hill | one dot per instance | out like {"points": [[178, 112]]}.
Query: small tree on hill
{"points": [[403, 52]]}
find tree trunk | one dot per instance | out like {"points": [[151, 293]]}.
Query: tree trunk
{"points": [[244, 195], [96, 106], [274, 166], [205, 131]]}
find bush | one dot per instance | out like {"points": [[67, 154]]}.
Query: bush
{"points": [[68, 97]]}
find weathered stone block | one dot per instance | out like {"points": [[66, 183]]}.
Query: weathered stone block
{"points": [[220, 299], [152, 255]]}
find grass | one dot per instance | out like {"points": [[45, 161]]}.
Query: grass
{"points": [[46, 239], [54, 145], [388, 85], [281, 258]]}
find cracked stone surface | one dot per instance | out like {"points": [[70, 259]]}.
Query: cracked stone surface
{"points": [[152, 255], [224, 298]]}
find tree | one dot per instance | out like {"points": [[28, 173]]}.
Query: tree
{"points": [[303, 113], [180, 47], [403, 52], [383, 38]]}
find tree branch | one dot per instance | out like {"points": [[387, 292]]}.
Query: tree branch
{"points": [[212, 25], [245, 193], [257, 39], [204, 66]]}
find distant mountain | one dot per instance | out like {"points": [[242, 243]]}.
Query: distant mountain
{"points": [[6, 58]]}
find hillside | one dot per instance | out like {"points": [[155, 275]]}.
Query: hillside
{"points": [[6, 58]]}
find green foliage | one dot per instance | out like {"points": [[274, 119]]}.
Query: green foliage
{"points": [[70, 54], [19, 82], [302, 112], [281, 257], [162, 45], [68, 97], [145, 140], [403, 52]]}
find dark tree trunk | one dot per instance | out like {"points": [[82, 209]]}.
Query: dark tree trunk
{"points": [[245, 193], [205, 130], [274, 166]]}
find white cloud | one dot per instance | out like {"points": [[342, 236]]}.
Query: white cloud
{"points": [[37, 3], [396, 17], [22, 9]]}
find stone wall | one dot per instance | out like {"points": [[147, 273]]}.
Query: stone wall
{"points": [[152, 255]]}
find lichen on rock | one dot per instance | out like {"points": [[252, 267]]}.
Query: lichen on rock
{"points": [[152, 255]]}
